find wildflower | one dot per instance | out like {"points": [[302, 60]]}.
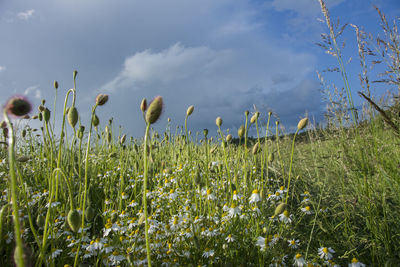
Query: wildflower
{"points": [[208, 253], [263, 242], [325, 253], [172, 194], [284, 217], [124, 195], [256, 210], [132, 204], [331, 263], [235, 196], [229, 238], [234, 210], [255, 197], [293, 243], [175, 222], [55, 253], [115, 257], [307, 210], [18, 106], [299, 260], [356, 263], [8, 237], [210, 195]]}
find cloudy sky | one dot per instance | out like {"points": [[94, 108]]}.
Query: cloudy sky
{"points": [[222, 56]]}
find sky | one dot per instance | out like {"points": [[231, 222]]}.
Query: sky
{"points": [[223, 57]]}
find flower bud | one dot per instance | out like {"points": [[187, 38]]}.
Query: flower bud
{"points": [[122, 140], [46, 115], [143, 105], [72, 116], [205, 132], [254, 117], [241, 131], [218, 121], [189, 111], [302, 124], [74, 220], [154, 111], [95, 120], [55, 84], [74, 74], [228, 138], [101, 99], [280, 208], [256, 148]]}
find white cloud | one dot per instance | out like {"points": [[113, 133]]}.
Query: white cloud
{"points": [[26, 14], [35, 89], [2, 68], [219, 82], [170, 65]]}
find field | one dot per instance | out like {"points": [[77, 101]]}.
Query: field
{"points": [[322, 196]]}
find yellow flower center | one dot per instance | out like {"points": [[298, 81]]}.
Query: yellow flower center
{"points": [[325, 250], [298, 256], [286, 213]]}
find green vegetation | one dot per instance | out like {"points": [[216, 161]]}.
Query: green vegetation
{"points": [[322, 196]]}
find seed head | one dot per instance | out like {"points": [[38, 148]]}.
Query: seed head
{"points": [[101, 99], [246, 113], [189, 111], [55, 84], [155, 109], [228, 138], [18, 106], [74, 74], [218, 121]]}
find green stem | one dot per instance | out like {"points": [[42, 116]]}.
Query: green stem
{"points": [[145, 162], [290, 166], [14, 197]]}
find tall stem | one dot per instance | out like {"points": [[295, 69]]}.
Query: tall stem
{"points": [[14, 197], [144, 195]]}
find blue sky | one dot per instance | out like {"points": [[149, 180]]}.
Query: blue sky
{"points": [[220, 56]]}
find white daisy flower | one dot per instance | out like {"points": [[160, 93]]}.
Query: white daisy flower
{"points": [[299, 260], [356, 263], [285, 217], [233, 211], [255, 197], [293, 243], [325, 253]]}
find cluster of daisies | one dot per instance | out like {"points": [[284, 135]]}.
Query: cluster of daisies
{"points": [[189, 222]]}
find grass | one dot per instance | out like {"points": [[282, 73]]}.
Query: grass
{"points": [[218, 202]]}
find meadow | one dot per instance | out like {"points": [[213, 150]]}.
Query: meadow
{"points": [[322, 196]]}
